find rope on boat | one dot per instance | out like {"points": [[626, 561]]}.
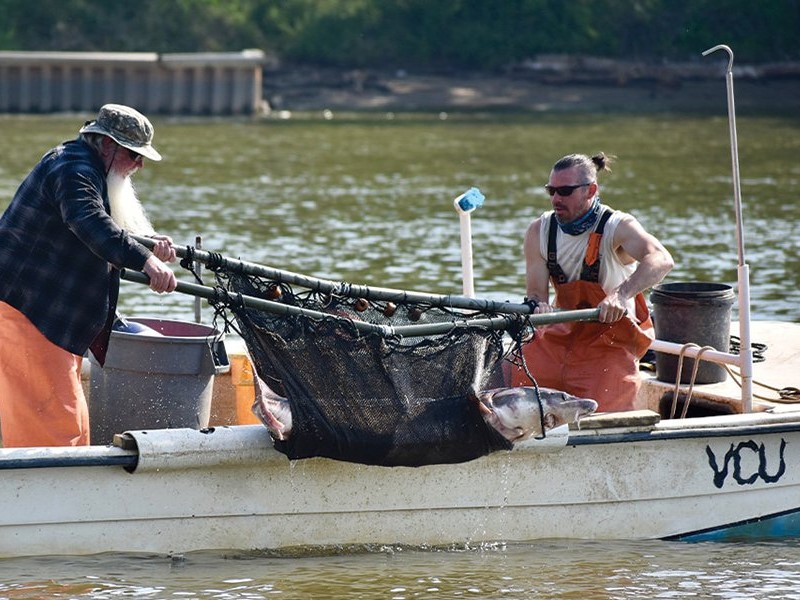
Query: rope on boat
{"points": [[786, 395], [676, 391], [758, 348]]}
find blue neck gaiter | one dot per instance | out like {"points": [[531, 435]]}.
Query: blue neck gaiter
{"points": [[582, 223]]}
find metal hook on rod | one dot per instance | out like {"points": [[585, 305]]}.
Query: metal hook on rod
{"points": [[727, 49]]}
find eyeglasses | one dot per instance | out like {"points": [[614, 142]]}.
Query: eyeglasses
{"points": [[135, 156], [564, 190]]}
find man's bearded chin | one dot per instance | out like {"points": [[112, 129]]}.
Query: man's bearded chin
{"points": [[126, 210]]}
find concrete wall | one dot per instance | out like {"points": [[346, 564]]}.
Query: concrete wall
{"points": [[178, 84]]}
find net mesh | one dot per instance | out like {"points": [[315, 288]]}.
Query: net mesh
{"points": [[369, 397]]}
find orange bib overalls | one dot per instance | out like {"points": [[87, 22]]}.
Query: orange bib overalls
{"points": [[588, 359]]}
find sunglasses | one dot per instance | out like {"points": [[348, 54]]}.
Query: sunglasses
{"points": [[564, 190], [135, 156]]}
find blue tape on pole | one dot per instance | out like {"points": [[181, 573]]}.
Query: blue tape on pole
{"points": [[471, 199]]}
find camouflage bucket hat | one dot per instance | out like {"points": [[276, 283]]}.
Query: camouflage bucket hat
{"points": [[126, 126]]}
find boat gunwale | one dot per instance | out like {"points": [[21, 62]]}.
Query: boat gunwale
{"points": [[700, 427], [675, 429]]}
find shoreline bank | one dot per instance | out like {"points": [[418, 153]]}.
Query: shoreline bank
{"points": [[309, 89]]}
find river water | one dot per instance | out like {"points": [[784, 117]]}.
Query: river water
{"points": [[549, 569], [369, 199]]}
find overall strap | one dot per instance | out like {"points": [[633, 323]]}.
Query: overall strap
{"points": [[590, 271], [556, 272]]}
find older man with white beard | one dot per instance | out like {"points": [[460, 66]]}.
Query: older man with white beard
{"points": [[63, 240]]}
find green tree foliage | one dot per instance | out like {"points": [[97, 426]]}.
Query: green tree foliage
{"points": [[409, 33]]}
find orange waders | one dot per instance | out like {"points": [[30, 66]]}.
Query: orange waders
{"points": [[41, 398]]}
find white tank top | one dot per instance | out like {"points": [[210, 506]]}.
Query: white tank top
{"points": [[572, 250]]}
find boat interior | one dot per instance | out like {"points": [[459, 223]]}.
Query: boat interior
{"points": [[775, 380]]}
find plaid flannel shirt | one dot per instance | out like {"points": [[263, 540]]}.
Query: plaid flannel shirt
{"points": [[58, 244]]}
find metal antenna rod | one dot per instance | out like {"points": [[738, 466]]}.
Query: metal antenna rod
{"points": [[743, 272], [737, 188]]}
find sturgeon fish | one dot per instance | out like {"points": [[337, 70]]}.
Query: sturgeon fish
{"points": [[516, 413]]}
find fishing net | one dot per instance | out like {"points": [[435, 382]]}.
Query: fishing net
{"points": [[369, 396]]}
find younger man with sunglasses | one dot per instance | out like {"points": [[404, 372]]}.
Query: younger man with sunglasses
{"points": [[595, 257], [63, 239]]}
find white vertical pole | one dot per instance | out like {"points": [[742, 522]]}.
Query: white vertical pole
{"points": [[743, 271], [464, 205], [467, 278]]}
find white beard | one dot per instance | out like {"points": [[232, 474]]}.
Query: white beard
{"points": [[126, 210]]}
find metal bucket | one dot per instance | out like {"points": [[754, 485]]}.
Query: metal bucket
{"points": [[158, 381]]}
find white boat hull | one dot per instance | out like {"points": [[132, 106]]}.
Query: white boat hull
{"points": [[229, 489]]}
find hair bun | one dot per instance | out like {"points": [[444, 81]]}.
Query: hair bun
{"points": [[602, 161]]}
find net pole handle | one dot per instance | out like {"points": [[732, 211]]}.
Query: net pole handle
{"points": [[422, 329], [352, 290]]}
